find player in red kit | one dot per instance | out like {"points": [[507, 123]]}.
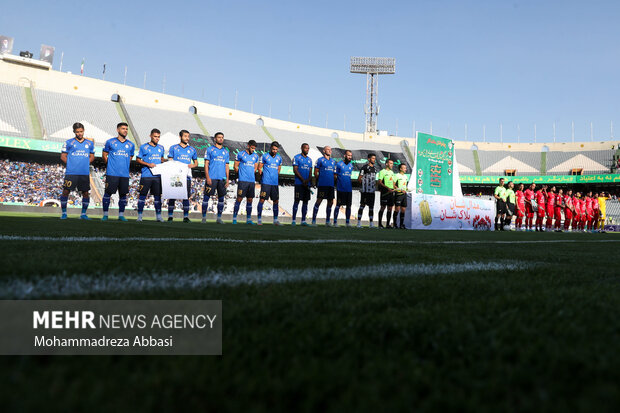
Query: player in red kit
{"points": [[550, 208], [520, 207], [597, 212], [568, 209], [577, 212], [589, 211], [541, 201], [529, 207], [582, 207], [559, 206]]}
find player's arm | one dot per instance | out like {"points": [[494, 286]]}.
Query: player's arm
{"points": [[260, 167], [91, 158], [141, 162], [63, 157], [297, 174], [236, 167], [207, 177], [193, 164], [227, 176], [104, 155], [279, 169], [359, 176]]}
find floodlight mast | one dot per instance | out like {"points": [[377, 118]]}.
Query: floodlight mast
{"points": [[372, 67]]}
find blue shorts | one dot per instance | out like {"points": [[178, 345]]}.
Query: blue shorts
{"points": [[79, 182], [217, 186], [269, 192], [150, 184], [246, 189], [326, 192], [116, 183]]}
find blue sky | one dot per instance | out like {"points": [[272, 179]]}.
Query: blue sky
{"points": [[514, 63]]}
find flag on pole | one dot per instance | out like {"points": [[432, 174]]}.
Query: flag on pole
{"points": [[82, 67], [104, 68]]}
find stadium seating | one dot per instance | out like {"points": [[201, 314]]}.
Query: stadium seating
{"points": [[13, 121], [496, 162], [60, 111], [465, 160], [592, 162], [168, 122], [234, 130]]}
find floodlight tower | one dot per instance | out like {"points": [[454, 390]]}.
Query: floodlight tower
{"points": [[372, 67]]}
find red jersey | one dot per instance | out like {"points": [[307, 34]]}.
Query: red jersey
{"points": [[577, 205], [595, 206], [520, 198], [588, 202], [582, 206], [540, 198], [550, 200], [568, 202], [529, 194]]}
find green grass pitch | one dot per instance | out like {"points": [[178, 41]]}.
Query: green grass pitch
{"points": [[372, 320]]}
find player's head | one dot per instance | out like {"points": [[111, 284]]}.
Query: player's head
{"points": [[218, 138], [389, 164], [589, 194], [552, 189], [348, 156], [532, 186], [122, 129], [402, 168], [372, 158], [305, 148], [273, 149], [327, 151], [184, 136], [78, 129], [511, 185], [596, 195], [501, 181], [560, 191], [569, 192], [521, 186], [155, 135], [251, 146]]}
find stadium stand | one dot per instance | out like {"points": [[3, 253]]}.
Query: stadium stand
{"points": [[13, 121], [168, 122], [234, 130], [465, 160], [59, 111], [496, 162], [592, 162]]}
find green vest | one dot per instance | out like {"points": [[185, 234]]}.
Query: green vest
{"points": [[510, 195], [387, 177], [500, 191], [401, 182]]}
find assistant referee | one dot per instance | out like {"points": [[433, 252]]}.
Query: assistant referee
{"points": [[500, 196]]}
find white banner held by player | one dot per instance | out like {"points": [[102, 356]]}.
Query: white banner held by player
{"points": [[447, 212], [174, 176]]}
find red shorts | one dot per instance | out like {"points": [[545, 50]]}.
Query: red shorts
{"points": [[521, 211], [541, 213], [528, 210], [550, 212], [596, 215], [568, 214], [558, 213]]}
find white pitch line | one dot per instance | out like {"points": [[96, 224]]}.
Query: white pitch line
{"points": [[287, 241], [63, 285]]}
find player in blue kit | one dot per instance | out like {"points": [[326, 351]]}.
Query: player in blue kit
{"points": [[117, 154], [344, 169], [246, 166], [302, 167], [149, 155], [77, 154], [216, 173], [269, 167], [183, 152], [324, 171]]}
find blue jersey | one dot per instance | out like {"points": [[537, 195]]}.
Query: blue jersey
{"points": [[304, 167], [78, 156], [218, 161], [327, 168], [182, 154], [247, 166], [343, 171], [270, 168], [150, 154], [119, 157]]}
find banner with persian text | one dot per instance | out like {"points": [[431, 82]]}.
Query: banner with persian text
{"points": [[448, 212], [434, 170]]}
